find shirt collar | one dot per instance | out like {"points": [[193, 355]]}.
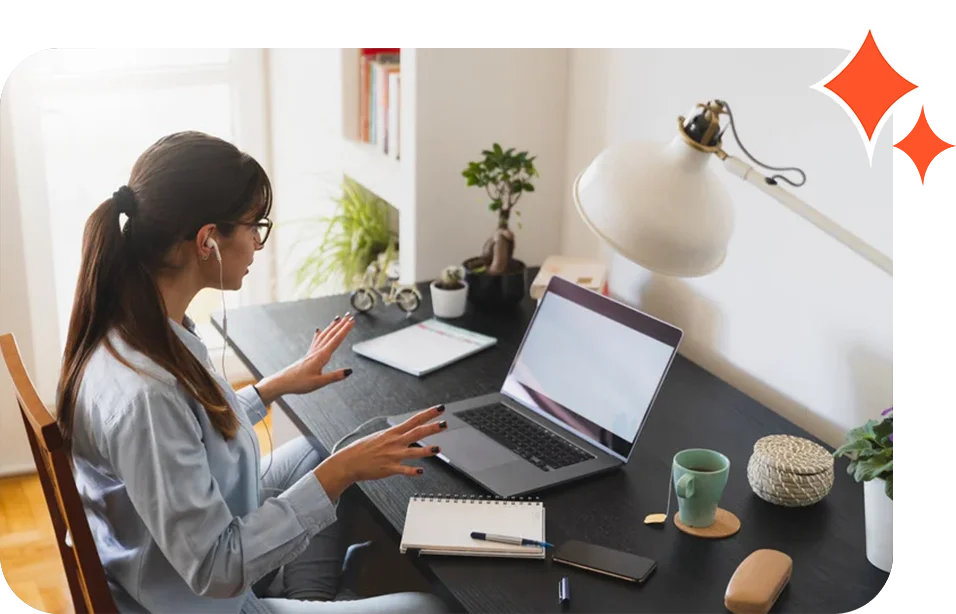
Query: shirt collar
{"points": [[187, 333]]}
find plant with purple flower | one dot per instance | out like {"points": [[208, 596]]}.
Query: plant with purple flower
{"points": [[870, 450]]}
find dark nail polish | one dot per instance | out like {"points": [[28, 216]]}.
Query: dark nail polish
{"points": [[440, 408], [443, 425], [337, 318], [348, 372], [435, 449], [419, 471], [348, 313]]}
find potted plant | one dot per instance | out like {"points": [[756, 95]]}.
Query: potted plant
{"points": [[870, 450], [357, 235], [495, 278], [449, 293]]}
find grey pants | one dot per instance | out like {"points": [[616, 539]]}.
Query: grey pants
{"points": [[310, 583]]}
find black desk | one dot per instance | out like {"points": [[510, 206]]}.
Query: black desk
{"points": [[694, 409]]}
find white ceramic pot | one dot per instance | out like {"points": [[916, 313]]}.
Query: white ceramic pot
{"points": [[449, 303], [878, 509]]}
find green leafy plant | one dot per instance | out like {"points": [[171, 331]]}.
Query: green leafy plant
{"points": [[506, 176], [870, 450], [356, 235]]}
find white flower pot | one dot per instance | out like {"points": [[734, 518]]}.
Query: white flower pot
{"points": [[878, 509], [449, 303]]}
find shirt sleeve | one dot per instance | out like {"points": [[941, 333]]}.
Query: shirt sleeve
{"points": [[252, 404], [155, 446]]}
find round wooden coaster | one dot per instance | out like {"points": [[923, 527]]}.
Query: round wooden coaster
{"points": [[725, 525]]}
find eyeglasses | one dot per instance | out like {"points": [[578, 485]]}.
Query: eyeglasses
{"points": [[263, 228]]}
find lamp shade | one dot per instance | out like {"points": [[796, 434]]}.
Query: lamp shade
{"points": [[658, 205]]}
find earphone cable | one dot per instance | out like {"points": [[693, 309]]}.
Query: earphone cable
{"points": [[225, 335]]}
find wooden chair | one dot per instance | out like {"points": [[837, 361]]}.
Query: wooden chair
{"points": [[81, 562]]}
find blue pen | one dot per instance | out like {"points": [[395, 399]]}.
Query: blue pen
{"points": [[504, 539]]}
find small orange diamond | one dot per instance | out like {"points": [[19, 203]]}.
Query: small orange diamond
{"points": [[922, 145], [869, 85]]}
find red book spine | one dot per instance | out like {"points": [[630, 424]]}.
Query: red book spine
{"points": [[377, 51]]}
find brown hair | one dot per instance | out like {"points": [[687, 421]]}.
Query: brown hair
{"points": [[181, 183]]}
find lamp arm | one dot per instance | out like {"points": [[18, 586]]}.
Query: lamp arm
{"points": [[841, 234]]}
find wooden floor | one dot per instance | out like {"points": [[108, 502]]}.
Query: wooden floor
{"points": [[28, 554]]}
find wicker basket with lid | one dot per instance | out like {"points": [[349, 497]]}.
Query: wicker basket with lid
{"points": [[790, 471]]}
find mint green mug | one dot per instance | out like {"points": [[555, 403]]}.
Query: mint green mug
{"points": [[699, 479]]}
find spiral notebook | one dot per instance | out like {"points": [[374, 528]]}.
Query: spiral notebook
{"points": [[422, 348], [438, 524]]}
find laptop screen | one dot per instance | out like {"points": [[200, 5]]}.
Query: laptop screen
{"points": [[592, 365]]}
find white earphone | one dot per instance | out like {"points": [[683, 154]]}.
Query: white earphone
{"points": [[211, 244]]}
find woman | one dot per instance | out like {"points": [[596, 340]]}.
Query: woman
{"points": [[166, 459]]}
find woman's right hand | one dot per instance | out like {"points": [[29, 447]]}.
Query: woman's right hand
{"points": [[380, 455]]}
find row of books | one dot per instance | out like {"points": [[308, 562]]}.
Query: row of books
{"points": [[380, 83]]}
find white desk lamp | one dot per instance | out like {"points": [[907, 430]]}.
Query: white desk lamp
{"points": [[661, 206]]}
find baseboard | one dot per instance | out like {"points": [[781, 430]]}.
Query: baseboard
{"points": [[14, 470]]}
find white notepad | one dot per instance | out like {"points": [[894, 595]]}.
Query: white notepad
{"points": [[442, 525], [422, 348]]}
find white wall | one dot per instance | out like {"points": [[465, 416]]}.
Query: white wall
{"points": [[466, 100], [21, 287], [33, 286], [792, 317], [306, 122], [15, 453]]}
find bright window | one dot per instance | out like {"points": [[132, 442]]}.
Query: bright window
{"points": [[86, 115]]}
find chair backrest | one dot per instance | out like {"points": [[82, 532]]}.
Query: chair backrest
{"points": [[81, 562]]}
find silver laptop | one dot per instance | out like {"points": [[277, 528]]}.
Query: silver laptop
{"points": [[574, 401]]}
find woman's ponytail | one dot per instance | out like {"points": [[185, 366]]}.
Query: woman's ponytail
{"points": [[101, 271]]}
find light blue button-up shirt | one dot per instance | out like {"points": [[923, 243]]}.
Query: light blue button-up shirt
{"points": [[174, 507]]}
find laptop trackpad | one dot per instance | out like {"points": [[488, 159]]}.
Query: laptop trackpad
{"points": [[469, 449]]}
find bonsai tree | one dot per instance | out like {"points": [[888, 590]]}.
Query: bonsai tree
{"points": [[870, 450], [505, 176], [450, 279]]}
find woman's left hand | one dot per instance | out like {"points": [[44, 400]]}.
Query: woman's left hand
{"points": [[307, 374]]}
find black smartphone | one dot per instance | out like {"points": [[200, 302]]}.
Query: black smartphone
{"points": [[616, 563]]}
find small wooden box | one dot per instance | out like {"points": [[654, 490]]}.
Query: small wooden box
{"points": [[590, 273], [758, 582]]}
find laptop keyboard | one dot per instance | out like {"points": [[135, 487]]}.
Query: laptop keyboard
{"points": [[531, 441]]}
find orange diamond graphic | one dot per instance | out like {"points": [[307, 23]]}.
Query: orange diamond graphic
{"points": [[922, 145], [869, 85]]}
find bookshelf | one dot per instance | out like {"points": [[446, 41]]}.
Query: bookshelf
{"points": [[380, 174], [453, 103], [365, 159]]}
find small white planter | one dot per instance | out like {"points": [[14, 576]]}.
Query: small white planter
{"points": [[449, 303], [878, 509]]}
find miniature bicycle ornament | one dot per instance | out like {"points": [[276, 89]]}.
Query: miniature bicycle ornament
{"points": [[363, 299]]}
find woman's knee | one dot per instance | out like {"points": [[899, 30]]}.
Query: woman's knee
{"points": [[307, 457], [403, 603], [425, 603]]}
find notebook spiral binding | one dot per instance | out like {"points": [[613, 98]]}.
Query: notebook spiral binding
{"points": [[476, 499]]}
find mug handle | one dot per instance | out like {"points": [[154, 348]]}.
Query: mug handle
{"points": [[685, 486]]}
